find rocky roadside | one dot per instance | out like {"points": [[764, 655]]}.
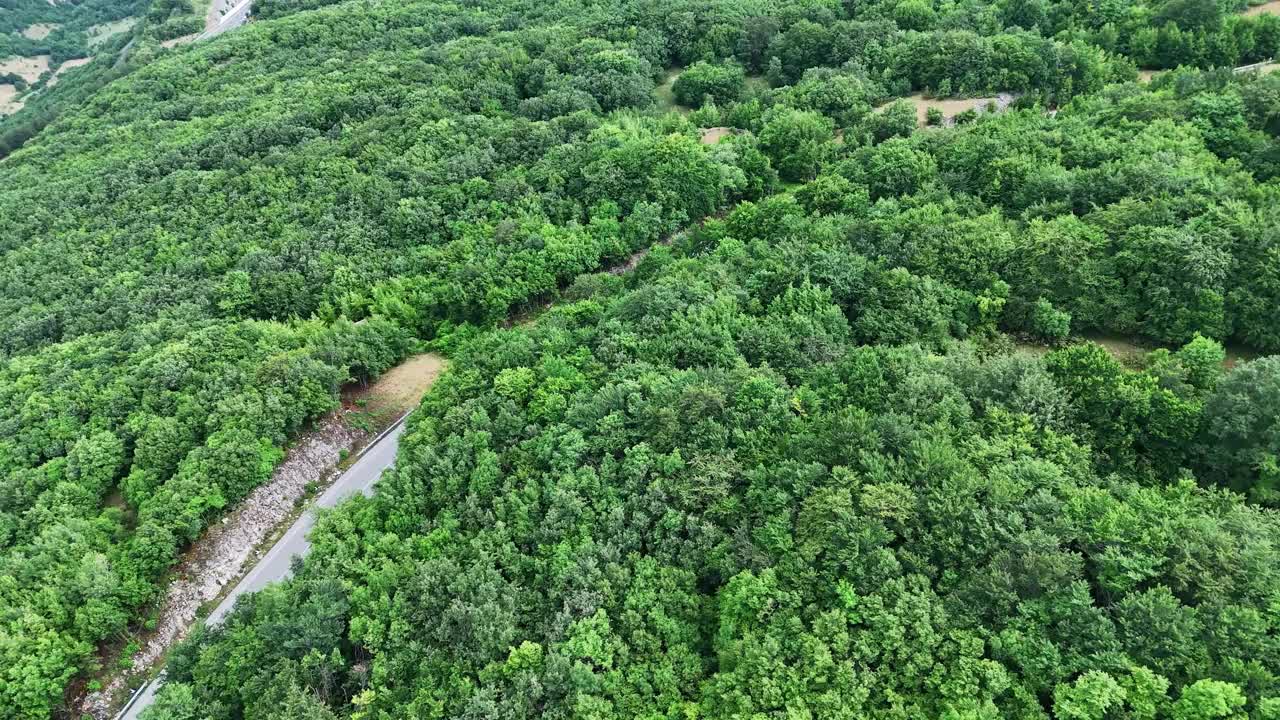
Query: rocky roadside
{"points": [[228, 548]]}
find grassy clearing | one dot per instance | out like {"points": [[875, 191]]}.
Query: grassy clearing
{"points": [[398, 390], [39, 31], [666, 96], [29, 68], [1132, 353], [951, 107], [1268, 8], [99, 34]]}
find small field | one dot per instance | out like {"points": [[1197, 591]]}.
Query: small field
{"points": [[68, 65], [1131, 353], [29, 68], [952, 107], [39, 31], [1269, 8], [398, 390], [9, 103], [99, 34]]}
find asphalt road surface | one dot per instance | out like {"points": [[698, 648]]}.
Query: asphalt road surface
{"points": [[276, 564], [233, 19]]}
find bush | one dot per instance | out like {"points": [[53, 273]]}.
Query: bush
{"points": [[1048, 323]]}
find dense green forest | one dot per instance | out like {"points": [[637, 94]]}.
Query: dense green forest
{"points": [[791, 466]]}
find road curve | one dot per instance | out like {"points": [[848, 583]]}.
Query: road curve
{"points": [[276, 564]]}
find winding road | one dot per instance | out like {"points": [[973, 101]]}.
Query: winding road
{"points": [[277, 563]]}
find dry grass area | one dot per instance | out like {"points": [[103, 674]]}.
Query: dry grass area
{"points": [[29, 68], [9, 103], [39, 31], [950, 107], [713, 135], [399, 389], [99, 34], [68, 65], [1270, 8]]}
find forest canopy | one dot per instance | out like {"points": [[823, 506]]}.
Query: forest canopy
{"points": [[794, 464]]}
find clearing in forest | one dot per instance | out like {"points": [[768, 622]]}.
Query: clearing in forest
{"points": [[39, 31], [1131, 353], [99, 34], [713, 135], [666, 96], [28, 68], [399, 389], [1269, 8], [951, 107], [68, 65], [9, 103]]}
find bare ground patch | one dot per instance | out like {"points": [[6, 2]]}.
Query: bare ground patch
{"points": [[39, 31], [9, 102], [399, 389], [713, 135], [68, 65], [1269, 8], [28, 68], [952, 107], [99, 34]]}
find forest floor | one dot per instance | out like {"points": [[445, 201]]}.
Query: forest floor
{"points": [[215, 562]]}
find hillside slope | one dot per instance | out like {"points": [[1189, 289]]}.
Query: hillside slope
{"points": [[200, 256]]}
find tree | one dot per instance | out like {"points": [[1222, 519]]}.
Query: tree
{"points": [[1209, 700], [1240, 440], [705, 82], [796, 142]]}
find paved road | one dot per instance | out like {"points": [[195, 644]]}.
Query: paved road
{"points": [[233, 19], [276, 564]]}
